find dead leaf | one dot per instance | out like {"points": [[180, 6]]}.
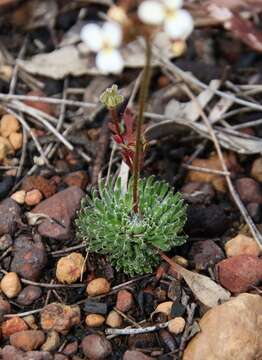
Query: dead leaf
{"points": [[59, 64], [207, 291], [69, 60]]}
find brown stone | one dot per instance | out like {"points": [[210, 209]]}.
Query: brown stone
{"points": [[242, 245], [124, 301], [29, 294], [27, 340], [96, 347], [249, 190], [229, 331], [239, 273], [60, 317], [176, 325], [98, 286], [114, 320], [256, 170], [11, 353], [33, 197], [62, 207], [19, 197], [16, 140], [11, 285], [45, 186], [70, 267], [30, 257], [94, 320], [77, 178], [204, 254], [8, 125], [71, 348], [9, 216], [13, 325]]}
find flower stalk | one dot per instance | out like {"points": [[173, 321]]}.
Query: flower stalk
{"points": [[143, 95]]}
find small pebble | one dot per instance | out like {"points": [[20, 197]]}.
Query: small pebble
{"points": [[29, 294], [180, 260], [8, 125], [114, 320], [242, 245], [16, 140], [256, 170], [98, 286], [239, 273], [96, 347], [19, 197], [164, 308], [176, 325], [11, 285], [249, 190], [70, 267], [33, 197], [27, 340], [13, 325], [94, 320], [71, 348], [124, 301]]}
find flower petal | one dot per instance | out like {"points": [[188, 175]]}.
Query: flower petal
{"points": [[112, 33], [151, 12], [180, 25], [109, 61], [173, 4], [92, 35]]}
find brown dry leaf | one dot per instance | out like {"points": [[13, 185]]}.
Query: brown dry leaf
{"points": [[208, 292]]}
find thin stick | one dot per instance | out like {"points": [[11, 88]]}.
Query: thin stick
{"points": [[142, 103], [205, 170], [49, 100], [135, 331]]}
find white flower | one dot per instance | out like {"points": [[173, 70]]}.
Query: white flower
{"points": [[177, 23], [105, 41]]}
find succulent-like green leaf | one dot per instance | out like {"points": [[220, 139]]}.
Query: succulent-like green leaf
{"points": [[108, 224]]}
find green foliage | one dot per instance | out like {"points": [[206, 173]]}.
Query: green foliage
{"points": [[110, 227]]}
